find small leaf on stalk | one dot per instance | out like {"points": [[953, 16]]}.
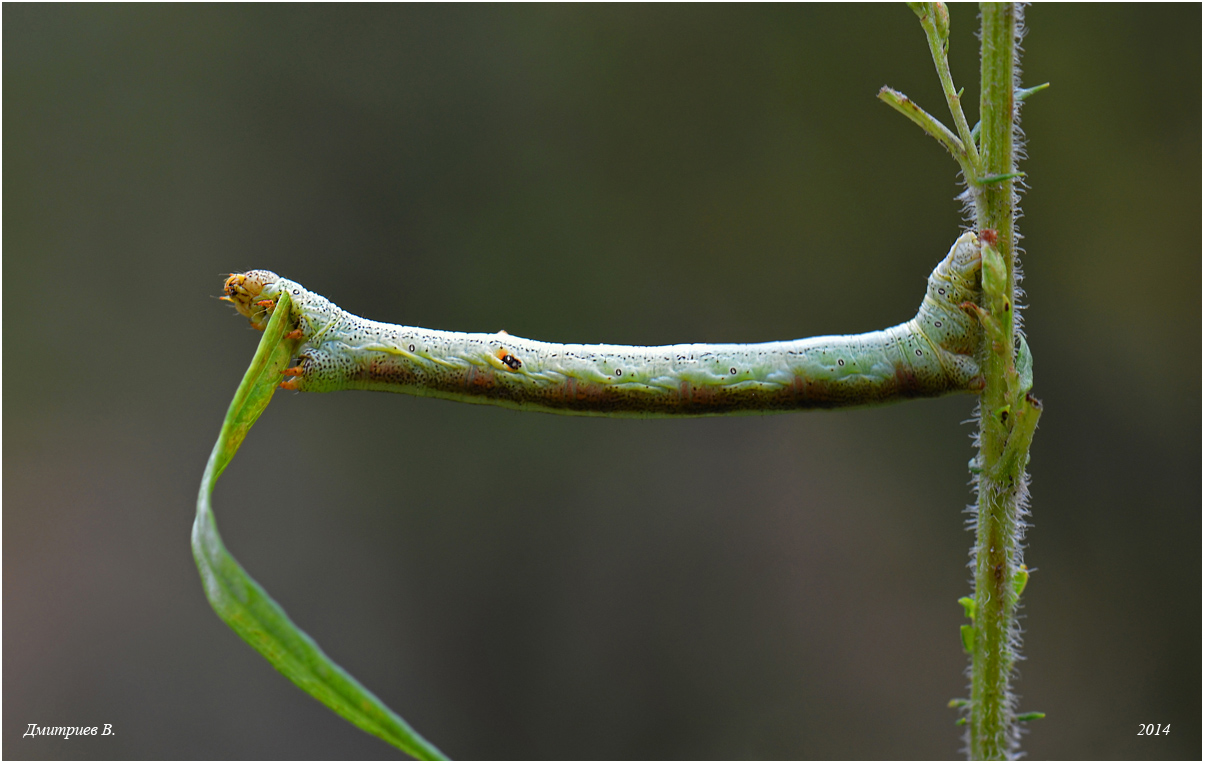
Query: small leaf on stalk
{"points": [[1020, 579], [967, 632]]}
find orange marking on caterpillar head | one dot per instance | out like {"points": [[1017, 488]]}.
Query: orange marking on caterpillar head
{"points": [[233, 282], [243, 290]]}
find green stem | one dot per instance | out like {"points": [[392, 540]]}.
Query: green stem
{"points": [[1007, 415], [935, 20], [1019, 95], [927, 122]]}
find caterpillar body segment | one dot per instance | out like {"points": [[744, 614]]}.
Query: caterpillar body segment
{"points": [[928, 356]]}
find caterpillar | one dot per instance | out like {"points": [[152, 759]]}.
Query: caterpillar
{"points": [[931, 355]]}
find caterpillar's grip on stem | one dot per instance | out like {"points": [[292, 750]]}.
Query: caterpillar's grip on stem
{"points": [[928, 356]]}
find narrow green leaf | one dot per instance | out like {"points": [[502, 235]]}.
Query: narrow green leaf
{"points": [[1020, 579], [1024, 365], [998, 178], [244, 605], [1016, 448], [967, 632], [1024, 93], [1030, 716], [996, 288]]}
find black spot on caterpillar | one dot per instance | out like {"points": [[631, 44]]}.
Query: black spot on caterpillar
{"points": [[505, 357]]}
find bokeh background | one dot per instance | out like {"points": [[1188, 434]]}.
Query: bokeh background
{"points": [[533, 586]]}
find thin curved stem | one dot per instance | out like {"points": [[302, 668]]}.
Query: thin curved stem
{"points": [[935, 20], [927, 122]]}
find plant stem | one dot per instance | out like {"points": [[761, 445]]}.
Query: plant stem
{"points": [[1007, 415], [935, 20], [927, 122]]}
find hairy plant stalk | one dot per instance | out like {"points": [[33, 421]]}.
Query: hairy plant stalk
{"points": [[1007, 414]]}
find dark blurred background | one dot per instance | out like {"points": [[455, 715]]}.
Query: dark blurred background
{"points": [[533, 586]]}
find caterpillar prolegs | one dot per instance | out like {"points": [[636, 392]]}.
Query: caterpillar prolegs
{"points": [[928, 356]]}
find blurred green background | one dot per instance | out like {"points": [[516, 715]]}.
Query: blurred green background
{"points": [[533, 586]]}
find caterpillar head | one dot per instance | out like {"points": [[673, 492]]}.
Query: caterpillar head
{"points": [[246, 292]]}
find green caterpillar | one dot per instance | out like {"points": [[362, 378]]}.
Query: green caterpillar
{"points": [[928, 356]]}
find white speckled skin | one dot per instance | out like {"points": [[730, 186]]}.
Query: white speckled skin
{"points": [[930, 355]]}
